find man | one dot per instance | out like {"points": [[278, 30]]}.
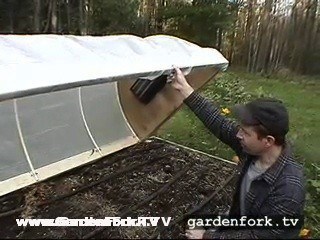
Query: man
{"points": [[270, 183]]}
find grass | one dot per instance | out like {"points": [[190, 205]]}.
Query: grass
{"points": [[301, 95]]}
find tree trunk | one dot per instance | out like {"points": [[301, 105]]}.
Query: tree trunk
{"points": [[83, 16], [219, 39], [11, 15], [297, 32], [247, 36], [54, 18], [233, 34], [87, 15], [310, 24], [36, 16], [259, 36], [68, 10], [159, 22], [51, 25]]}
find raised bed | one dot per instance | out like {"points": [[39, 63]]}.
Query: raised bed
{"points": [[153, 178]]}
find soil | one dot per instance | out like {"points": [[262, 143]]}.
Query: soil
{"points": [[75, 194]]}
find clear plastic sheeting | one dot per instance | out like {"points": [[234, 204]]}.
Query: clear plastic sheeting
{"points": [[12, 160], [32, 64], [41, 134]]}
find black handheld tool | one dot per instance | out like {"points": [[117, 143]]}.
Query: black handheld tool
{"points": [[146, 89]]}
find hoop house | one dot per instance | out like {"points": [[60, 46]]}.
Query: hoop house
{"points": [[68, 100]]}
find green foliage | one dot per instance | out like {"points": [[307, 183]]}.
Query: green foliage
{"points": [[227, 90], [197, 21], [114, 17], [312, 208], [15, 16]]}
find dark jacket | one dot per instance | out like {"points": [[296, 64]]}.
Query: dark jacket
{"points": [[280, 191]]}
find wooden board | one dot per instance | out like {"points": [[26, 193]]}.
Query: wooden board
{"points": [[147, 118]]}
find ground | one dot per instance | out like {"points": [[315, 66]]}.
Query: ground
{"points": [[152, 178]]}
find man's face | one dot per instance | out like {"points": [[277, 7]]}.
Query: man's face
{"points": [[250, 142]]}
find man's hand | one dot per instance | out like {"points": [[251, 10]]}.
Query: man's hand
{"points": [[195, 233], [180, 83]]}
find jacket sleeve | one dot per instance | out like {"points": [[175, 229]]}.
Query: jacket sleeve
{"points": [[210, 115]]}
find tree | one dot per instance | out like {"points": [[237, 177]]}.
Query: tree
{"points": [[201, 21], [113, 16], [36, 16]]}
